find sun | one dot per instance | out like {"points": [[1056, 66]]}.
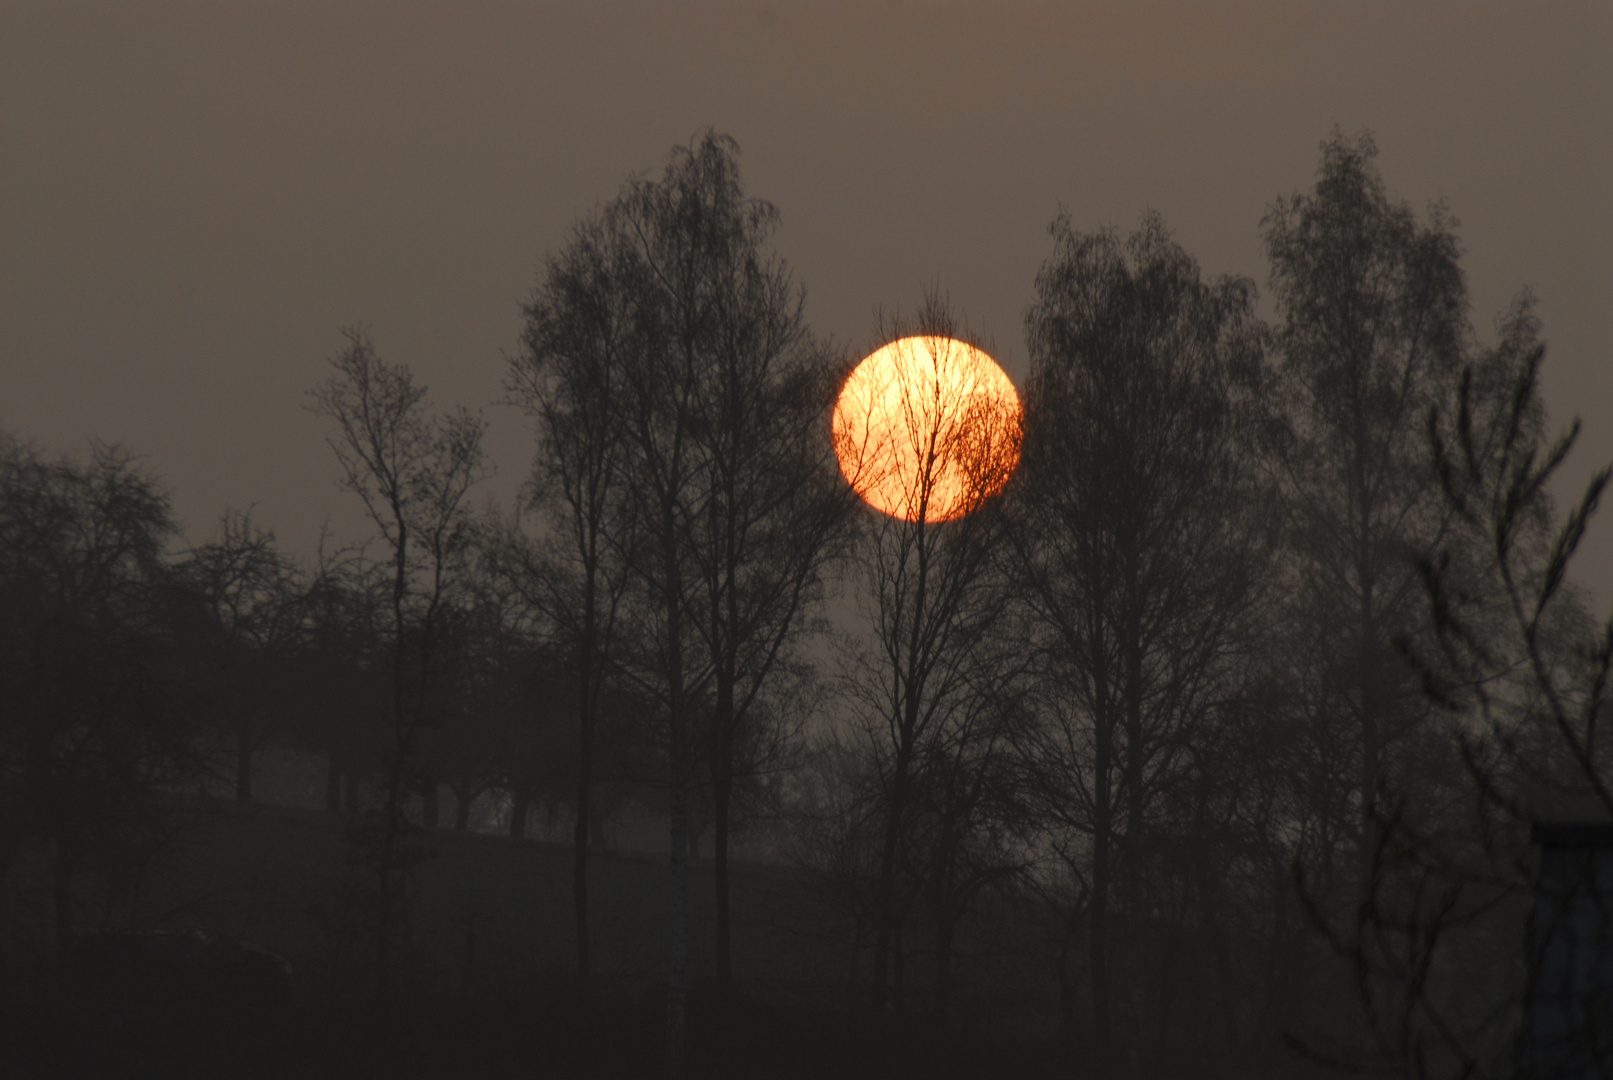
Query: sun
{"points": [[927, 428]]}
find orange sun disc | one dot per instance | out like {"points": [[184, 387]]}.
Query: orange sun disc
{"points": [[927, 428]]}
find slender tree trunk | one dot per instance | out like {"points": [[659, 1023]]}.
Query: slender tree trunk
{"points": [[856, 957], [8, 855], [333, 784], [1366, 643], [678, 978], [1211, 915], [520, 803], [243, 765], [722, 785], [62, 876], [396, 766], [1068, 984], [1104, 723], [725, 956], [1102, 858], [1134, 847], [430, 806], [885, 927], [898, 968], [393, 811], [944, 923], [1136, 830], [463, 800], [579, 847], [586, 704], [912, 681], [1370, 738], [350, 774], [722, 756], [470, 955]]}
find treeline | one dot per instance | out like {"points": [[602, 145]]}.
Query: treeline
{"points": [[1214, 737]]}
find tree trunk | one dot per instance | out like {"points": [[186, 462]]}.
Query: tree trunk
{"points": [[912, 688], [8, 855], [1367, 631], [1370, 739], [430, 808], [463, 800], [243, 766], [333, 784], [721, 796], [1102, 847], [898, 968], [393, 810], [63, 872], [678, 981], [579, 848], [943, 964], [884, 913], [1067, 983], [677, 718], [1136, 830], [520, 804], [1099, 945], [586, 705]]}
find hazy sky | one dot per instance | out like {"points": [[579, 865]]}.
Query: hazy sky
{"points": [[194, 198]]}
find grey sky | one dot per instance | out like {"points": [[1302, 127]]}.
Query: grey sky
{"points": [[195, 197]]}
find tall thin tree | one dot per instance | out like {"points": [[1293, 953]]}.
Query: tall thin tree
{"points": [[413, 474], [1137, 546], [581, 326], [933, 599], [1373, 319]]}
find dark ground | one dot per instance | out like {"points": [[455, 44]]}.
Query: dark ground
{"points": [[485, 988]]}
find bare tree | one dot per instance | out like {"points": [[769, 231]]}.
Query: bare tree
{"points": [[1373, 316], [1139, 550], [581, 325], [767, 515], [413, 474], [667, 352], [933, 601], [1520, 676]]}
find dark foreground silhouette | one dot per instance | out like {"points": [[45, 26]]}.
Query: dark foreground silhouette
{"points": [[165, 1004], [183, 1005]]}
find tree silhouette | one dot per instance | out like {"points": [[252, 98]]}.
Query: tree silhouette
{"points": [[928, 683], [253, 599], [1141, 551], [1520, 673], [581, 324], [680, 402], [96, 730], [1373, 311], [413, 474]]}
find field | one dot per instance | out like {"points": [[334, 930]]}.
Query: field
{"points": [[485, 978]]}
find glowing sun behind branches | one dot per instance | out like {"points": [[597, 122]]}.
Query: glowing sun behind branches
{"points": [[927, 428]]}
